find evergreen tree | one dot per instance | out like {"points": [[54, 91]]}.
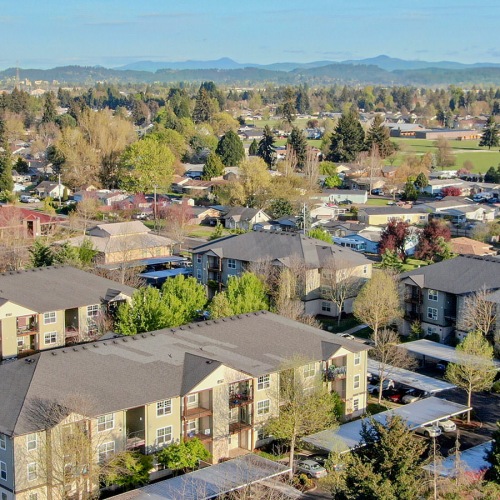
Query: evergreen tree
{"points": [[21, 165], [253, 148], [41, 255], [298, 142], [421, 181], [49, 108], [266, 149], [213, 167], [288, 105], [490, 136], [6, 181], [204, 108], [302, 103], [378, 137], [493, 457], [348, 138], [410, 191], [280, 207], [230, 149]]}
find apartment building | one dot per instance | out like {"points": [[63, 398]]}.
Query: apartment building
{"points": [[47, 307], [435, 295], [216, 380], [215, 262]]}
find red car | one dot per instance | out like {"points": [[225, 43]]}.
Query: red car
{"points": [[396, 396]]}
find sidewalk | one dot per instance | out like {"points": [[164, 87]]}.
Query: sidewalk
{"points": [[354, 329]]}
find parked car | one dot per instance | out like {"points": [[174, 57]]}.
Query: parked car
{"points": [[346, 336], [345, 202], [311, 469], [378, 192], [396, 396], [374, 385], [429, 431], [413, 395], [28, 199], [442, 365], [446, 425], [323, 461]]}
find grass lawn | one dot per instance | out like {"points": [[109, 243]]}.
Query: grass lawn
{"points": [[330, 323], [377, 202], [200, 231]]}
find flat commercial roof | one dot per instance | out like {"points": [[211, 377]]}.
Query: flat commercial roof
{"points": [[434, 350], [471, 460], [210, 482], [167, 273], [407, 377], [424, 411], [145, 262]]}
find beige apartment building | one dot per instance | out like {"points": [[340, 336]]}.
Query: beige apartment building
{"points": [[215, 380], [47, 307]]}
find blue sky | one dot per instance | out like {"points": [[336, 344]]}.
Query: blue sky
{"points": [[48, 33]]}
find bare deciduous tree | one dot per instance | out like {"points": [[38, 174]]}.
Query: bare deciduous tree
{"points": [[478, 313], [311, 169]]}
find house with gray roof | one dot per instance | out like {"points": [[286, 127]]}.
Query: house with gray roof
{"points": [[47, 307], [244, 218], [215, 380], [214, 263], [435, 295]]}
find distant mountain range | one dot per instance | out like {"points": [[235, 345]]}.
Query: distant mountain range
{"points": [[380, 70]]}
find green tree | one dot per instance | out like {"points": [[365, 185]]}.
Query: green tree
{"points": [[391, 260], [41, 254], [230, 149], [49, 108], [298, 143], [490, 136], [421, 181], [220, 307], [253, 149], [320, 234], [183, 456], [266, 149], [327, 168], [218, 232], [474, 370], [333, 181], [21, 165], [128, 470], [493, 457], [288, 109], [280, 207], [204, 108], [302, 103], [378, 137], [6, 181], [306, 406], [213, 167], [145, 164], [348, 138], [410, 192]]}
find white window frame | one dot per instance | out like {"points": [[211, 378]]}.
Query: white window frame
{"points": [[93, 310], [357, 358], [164, 408], [355, 404], [106, 422], [199, 258], [161, 435], [309, 370], [49, 318], [192, 400], [356, 381], [263, 382], [263, 407], [20, 342], [31, 441], [50, 338], [105, 449], [432, 313], [432, 295], [3, 442], [192, 427], [32, 471], [3, 471], [231, 263], [326, 306]]}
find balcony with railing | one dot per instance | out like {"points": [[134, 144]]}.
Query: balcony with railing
{"points": [[413, 295], [240, 420], [136, 439], [240, 394], [27, 325], [214, 264], [335, 373]]}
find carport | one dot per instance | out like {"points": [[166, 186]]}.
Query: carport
{"points": [[427, 349], [213, 481], [348, 436], [412, 379]]}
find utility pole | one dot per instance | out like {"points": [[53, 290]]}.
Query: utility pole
{"points": [[59, 190], [154, 209]]}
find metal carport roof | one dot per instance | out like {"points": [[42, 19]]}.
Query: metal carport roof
{"points": [[212, 481], [407, 377], [347, 436]]}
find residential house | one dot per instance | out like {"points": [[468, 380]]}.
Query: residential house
{"points": [[217, 261], [194, 186], [244, 218], [215, 380], [459, 210], [47, 307], [365, 241], [435, 295], [20, 223], [435, 186], [122, 242], [51, 189], [468, 246], [381, 216], [339, 195]]}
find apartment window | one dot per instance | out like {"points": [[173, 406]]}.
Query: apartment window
{"points": [[432, 313], [430, 331], [50, 338], [192, 427], [263, 407], [106, 451], [92, 311], [164, 436], [20, 342], [263, 382], [32, 496], [3, 442], [105, 422], [4, 496], [309, 370], [355, 404], [198, 258], [432, 295], [198, 274], [3, 471], [231, 264], [192, 400], [365, 269], [31, 441], [326, 306], [356, 381], [49, 318], [357, 358], [32, 473], [164, 407]]}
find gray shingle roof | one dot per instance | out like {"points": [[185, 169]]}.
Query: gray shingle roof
{"points": [[55, 288], [129, 372], [461, 275]]}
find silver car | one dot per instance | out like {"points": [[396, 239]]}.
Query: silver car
{"points": [[429, 431], [446, 425], [311, 469]]}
